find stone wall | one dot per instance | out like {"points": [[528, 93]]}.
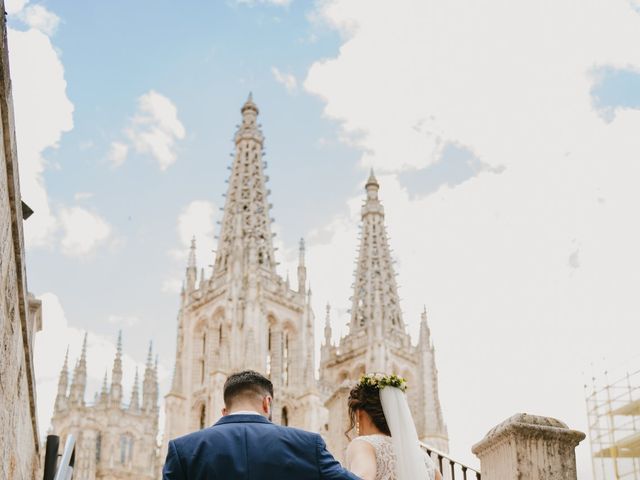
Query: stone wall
{"points": [[19, 313]]}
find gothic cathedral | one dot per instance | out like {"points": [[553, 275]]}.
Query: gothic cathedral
{"points": [[245, 316]]}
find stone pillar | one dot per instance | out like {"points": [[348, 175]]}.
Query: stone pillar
{"points": [[529, 447]]}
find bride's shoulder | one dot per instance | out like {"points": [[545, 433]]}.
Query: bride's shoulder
{"points": [[359, 447]]}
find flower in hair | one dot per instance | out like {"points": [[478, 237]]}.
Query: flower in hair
{"points": [[380, 380]]}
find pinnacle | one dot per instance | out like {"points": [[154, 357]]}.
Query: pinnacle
{"points": [[372, 179], [150, 354], [84, 348], [66, 360], [249, 104]]}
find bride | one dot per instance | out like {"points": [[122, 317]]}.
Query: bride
{"points": [[387, 446]]}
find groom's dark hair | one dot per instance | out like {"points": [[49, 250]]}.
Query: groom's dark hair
{"points": [[246, 384]]}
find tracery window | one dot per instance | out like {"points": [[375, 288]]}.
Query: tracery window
{"points": [[203, 416]]}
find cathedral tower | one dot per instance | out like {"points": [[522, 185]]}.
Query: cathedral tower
{"points": [[244, 316], [377, 340], [114, 441]]}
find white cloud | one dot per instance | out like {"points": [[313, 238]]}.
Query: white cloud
{"points": [[42, 114], [516, 314], [118, 153], [38, 17], [50, 346], [125, 320], [197, 220], [155, 128], [83, 231], [287, 79], [14, 6]]}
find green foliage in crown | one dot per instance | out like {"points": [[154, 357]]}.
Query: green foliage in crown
{"points": [[379, 381]]}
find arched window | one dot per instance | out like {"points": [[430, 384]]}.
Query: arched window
{"points": [[202, 358], [285, 358], [285, 417], [269, 353], [98, 447], [203, 416]]}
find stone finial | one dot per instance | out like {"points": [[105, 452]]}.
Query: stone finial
{"points": [[529, 447], [249, 104]]}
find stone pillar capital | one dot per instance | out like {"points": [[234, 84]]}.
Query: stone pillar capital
{"points": [[529, 447]]}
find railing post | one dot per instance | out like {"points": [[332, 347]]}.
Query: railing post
{"points": [[529, 447]]}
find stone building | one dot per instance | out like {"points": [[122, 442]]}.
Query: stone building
{"points": [[378, 341], [114, 441], [246, 316], [20, 316]]}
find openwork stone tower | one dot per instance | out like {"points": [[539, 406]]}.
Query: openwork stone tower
{"points": [[378, 340], [244, 315]]}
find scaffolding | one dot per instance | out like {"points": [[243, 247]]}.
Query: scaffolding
{"points": [[613, 410]]}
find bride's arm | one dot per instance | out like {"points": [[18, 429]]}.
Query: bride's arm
{"points": [[438, 476], [361, 459]]}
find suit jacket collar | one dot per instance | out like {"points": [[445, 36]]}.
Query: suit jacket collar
{"points": [[242, 418]]}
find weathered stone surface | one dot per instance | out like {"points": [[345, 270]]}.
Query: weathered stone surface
{"points": [[19, 312], [529, 447]]}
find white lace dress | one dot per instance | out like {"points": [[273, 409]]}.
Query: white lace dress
{"points": [[386, 458]]}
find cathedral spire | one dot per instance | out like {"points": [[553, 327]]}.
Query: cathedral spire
{"points": [[302, 269], [150, 383], [79, 383], [327, 327], [104, 391], [192, 269], [134, 404], [63, 383], [375, 300], [116, 374], [245, 236]]}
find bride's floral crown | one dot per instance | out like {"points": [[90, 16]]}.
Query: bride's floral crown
{"points": [[380, 380]]}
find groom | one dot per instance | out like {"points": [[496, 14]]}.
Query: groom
{"points": [[244, 444]]}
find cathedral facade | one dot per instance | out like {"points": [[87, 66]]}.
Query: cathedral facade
{"points": [[114, 441], [245, 316]]}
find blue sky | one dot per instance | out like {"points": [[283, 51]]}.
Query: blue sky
{"points": [[506, 169], [206, 62]]}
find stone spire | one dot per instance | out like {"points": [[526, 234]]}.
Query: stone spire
{"points": [[79, 383], [116, 374], [302, 269], [63, 383], [104, 392], [375, 300], [327, 327], [134, 404], [192, 269], [245, 234], [150, 384], [434, 428]]}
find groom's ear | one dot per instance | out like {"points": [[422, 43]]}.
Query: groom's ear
{"points": [[224, 411], [266, 404]]}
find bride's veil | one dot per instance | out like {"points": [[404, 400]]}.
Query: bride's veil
{"points": [[410, 462]]}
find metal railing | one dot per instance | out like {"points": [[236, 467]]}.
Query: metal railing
{"points": [[449, 468]]}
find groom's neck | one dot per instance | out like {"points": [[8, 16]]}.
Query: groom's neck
{"points": [[244, 408]]}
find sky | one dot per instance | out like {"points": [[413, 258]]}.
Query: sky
{"points": [[504, 135]]}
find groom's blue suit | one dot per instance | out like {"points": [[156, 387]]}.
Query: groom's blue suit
{"points": [[250, 447]]}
